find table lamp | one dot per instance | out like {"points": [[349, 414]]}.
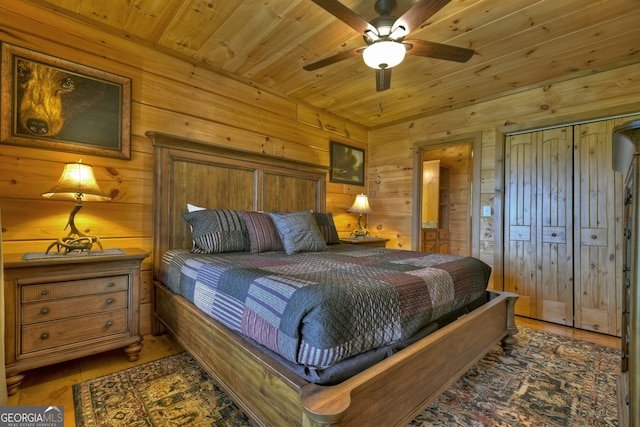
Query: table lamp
{"points": [[76, 183], [360, 206]]}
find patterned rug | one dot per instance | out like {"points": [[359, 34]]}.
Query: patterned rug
{"points": [[547, 380]]}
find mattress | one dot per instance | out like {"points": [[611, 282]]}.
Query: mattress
{"points": [[315, 309]]}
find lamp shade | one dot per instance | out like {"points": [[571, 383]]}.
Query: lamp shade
{"points": [[384, 54], [361, 205], [77, 183]]}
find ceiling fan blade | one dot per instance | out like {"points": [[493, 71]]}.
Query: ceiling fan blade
{"points": [[438, 50], [334, 58], [383, 79], [419, 13], [346, 15]]}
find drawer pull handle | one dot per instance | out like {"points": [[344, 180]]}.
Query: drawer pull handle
{"points": [[554, 234], [44, 336], [109, 323], [593, 236], [45, 310], [110, 285], [44, 292], [109, 300]]}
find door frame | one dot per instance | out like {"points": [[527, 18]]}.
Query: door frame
{"points": [[475, 140]]}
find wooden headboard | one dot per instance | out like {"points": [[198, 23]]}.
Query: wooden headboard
{"points": [[216, 177]]}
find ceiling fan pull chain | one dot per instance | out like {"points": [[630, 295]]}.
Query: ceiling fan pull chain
{"points": [[381, 104]]}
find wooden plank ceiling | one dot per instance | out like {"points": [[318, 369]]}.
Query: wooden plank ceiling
{"points": [[518, 44]]}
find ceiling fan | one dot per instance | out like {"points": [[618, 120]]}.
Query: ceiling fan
{"points": [[385, 37]]}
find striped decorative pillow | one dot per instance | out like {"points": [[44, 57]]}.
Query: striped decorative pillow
{"points": [[263, 236], [217, 230]]}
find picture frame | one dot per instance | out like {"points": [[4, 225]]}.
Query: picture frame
{"points": [[347, 164], [51, 103]]}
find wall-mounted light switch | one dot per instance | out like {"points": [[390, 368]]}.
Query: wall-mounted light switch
{"points": [[486, 211]]}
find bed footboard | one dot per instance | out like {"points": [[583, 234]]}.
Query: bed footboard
{"points": [[405, 384], [401, 386]]}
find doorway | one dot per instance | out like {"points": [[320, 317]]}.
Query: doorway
{"points": [[443, 195]]}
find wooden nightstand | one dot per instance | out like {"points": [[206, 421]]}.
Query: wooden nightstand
{"points": [[58, 309], [366, 241]]}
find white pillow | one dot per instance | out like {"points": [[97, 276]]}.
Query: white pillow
{"points": [[193, 208]]}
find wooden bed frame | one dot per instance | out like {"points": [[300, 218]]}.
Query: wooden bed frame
{"points": [[391, 392]]}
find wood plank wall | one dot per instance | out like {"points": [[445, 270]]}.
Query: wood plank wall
{"points": [[170, 96], [601, 94]]}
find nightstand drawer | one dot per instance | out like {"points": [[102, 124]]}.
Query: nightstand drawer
{"points": [[41, 336], [72, 288], [70, 307]]}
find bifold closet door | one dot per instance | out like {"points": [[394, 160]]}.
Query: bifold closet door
{"points": [[555, 212], [538, 262], [598, 260], [563, 210], [520, 251]]}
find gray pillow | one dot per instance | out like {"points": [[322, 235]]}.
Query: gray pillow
{"points": [[217, 230], [298, 232]]}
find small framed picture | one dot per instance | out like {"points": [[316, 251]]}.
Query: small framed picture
{"points": [[347, 164], [52, 103]]}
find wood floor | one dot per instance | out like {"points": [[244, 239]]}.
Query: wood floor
{"points": [[52, 385]]}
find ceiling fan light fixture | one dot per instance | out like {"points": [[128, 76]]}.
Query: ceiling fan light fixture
{"points": [[384, 54]]}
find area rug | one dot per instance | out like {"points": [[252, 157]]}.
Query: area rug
{"points": [[547, 380]]}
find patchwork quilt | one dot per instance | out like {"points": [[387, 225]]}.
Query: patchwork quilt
{"points": [[318, 308]]}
